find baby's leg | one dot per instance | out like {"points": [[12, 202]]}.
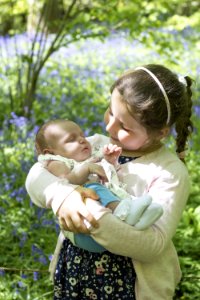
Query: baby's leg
{"points": [[139, 211], [97, 209], [106, 197]]}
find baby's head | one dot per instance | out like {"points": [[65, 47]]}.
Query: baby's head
{"points": [[64, 138]]}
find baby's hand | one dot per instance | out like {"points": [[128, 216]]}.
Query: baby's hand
{"points": [[98, 170], [111, 153]]}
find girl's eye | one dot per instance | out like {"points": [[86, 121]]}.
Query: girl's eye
{"points": [[123, 127], [109, 111]]}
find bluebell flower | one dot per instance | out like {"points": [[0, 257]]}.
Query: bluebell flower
{"points": [[47, 222], [36, 250], [18, 121], [42, 259], [197, 110], [50, 257], [21, 284], [54, 73], [57, 228], [7, 186], [24, 276], [14, 232], [40, 212], [23, 239], [35, 276]]}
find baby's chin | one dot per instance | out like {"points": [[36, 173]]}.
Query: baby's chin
{"points": [[84, 156]]}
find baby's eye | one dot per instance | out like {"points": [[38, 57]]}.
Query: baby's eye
{"points": [[70, 139]]}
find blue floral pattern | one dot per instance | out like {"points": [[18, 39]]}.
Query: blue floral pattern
{"points": [[85, 275]]}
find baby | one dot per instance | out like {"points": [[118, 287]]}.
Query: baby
{"points": [[65, 152]]}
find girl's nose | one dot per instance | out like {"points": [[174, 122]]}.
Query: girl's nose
{"points": [[110, 127]]}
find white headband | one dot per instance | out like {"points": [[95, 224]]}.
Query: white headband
{"points": [[182, 80], [162, 90]]}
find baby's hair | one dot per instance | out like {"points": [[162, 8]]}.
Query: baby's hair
{"points": [[41, 142], [145, 100]]}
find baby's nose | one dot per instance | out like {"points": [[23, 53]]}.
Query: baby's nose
{"points": [[81, 139]]}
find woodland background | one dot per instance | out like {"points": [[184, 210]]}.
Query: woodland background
{"points": [[59, 59]]}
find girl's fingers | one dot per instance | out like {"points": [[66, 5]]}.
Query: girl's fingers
{"points": [[73, 211], [88, 217], [87, 193], [68, 226]]}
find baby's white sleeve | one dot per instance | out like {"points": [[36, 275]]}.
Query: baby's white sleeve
{"points": [[45, 189]]}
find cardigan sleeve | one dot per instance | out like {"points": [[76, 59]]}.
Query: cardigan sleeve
{"points": [[45, 189], [171, 190]]}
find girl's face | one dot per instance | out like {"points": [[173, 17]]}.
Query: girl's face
{"points": [[124, 130]]}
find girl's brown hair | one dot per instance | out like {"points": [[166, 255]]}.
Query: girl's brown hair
{"points": [[146, 102]]}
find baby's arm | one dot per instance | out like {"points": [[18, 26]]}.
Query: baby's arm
{"points": [[111, 153], [79, 175], [58, 168]]}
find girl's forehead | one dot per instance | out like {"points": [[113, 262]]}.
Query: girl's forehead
{"points": [[121, 112], [118, 106]]}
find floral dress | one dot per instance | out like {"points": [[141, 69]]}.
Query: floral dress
{"points": [[82, 275]]}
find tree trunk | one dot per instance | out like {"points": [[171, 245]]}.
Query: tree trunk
{"points": [[52, 12]]}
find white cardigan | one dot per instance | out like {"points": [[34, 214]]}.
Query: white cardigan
{"points": [[155, 260]]}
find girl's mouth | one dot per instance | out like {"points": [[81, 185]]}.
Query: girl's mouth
{"points": [[112, 138]]}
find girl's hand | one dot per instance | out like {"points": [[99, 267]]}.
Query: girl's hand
{"points": [[111, 153], [73, 211]]}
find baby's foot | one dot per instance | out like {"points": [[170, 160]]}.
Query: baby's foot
{"points": [[131, 209], [150, 216]]}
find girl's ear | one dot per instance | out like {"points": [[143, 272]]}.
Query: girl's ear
{"points": [[164, 132]]}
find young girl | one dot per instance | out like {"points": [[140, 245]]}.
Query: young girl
{"points": [[145, 104]]}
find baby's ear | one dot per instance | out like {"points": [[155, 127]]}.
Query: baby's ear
{"points": [[47, 151]]}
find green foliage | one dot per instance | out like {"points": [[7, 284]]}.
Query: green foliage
{"points": [[74, 83], [24, 228], [13, 16], [187, 239], [65, 22]]}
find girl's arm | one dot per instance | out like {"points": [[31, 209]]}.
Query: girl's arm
{"points": [[47, 190], [123, 239]]}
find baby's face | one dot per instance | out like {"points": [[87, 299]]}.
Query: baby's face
{"points": [[68, 140]]}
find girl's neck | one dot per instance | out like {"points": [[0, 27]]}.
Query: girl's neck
{"points": [[142, 151]]}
